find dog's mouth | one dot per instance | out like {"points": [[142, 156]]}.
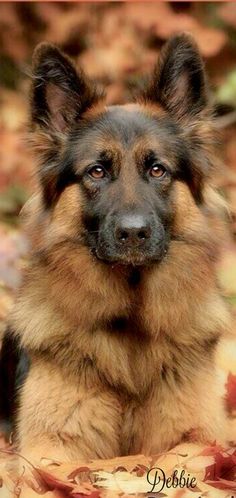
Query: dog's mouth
{"points": [[130, 258]]}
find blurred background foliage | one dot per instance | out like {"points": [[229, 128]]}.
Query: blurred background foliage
{"points": [[116, 43]]}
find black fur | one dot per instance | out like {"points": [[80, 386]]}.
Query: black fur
{"points": [[14, 366]]}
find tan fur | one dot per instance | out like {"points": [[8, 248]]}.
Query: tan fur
{"points": [[110, 393]]}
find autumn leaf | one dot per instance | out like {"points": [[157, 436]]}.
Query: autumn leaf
{"points": [[231, 393]]}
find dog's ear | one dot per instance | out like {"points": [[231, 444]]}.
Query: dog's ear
{"points": [[60, 96], [179, 86], [60, 93], [178, 82]]}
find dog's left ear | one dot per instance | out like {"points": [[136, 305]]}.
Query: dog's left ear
{"points": [[178, 82]]}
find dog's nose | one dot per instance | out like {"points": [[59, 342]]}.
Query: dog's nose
{"points": [[132, 230]]}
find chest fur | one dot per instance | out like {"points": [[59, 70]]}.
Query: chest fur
{"points": [[128, 336]]}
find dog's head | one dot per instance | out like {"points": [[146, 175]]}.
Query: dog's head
{"points": [[121, 164]]}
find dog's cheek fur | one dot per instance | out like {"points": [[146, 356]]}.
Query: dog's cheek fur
{"points": [[46, 228]]}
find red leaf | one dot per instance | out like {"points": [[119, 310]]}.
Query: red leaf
{"points": [[231, 392], [223, 484], [53, 482], [93, 494], [223, 471], [77, 471]]}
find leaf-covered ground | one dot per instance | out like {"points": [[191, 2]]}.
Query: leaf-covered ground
{"points": [[115, 43]]}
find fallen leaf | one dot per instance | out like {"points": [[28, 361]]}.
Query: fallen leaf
{"points": [[231, 392]]}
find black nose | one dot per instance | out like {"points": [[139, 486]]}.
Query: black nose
{"points": [[132, 230]]}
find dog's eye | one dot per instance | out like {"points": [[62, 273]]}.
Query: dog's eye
{"points": [[157, 171], [97, 172]]}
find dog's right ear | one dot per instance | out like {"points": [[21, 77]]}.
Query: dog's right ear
{"points": [[60, 93]]}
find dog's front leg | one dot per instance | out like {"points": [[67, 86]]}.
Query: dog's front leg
{"points": [[65, 420]]}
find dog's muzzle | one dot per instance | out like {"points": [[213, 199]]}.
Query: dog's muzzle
{"points": [[131, 238]]}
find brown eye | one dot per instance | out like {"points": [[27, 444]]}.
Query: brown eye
{"points": [[157, 171], [97, 172]]}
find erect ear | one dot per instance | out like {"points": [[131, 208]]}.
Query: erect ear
{"points": [[178, 82], [60, 93], [60, 96]]}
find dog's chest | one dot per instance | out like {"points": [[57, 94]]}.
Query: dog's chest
{"points": [[133, 361]]}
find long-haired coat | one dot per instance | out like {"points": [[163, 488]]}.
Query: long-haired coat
{"points": [[119, 309]]}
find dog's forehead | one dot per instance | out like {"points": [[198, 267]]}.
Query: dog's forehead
{"points": [[130, 122], [125, 127]]}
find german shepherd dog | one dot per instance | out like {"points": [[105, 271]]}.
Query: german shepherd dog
{"points": [[119, 309]]}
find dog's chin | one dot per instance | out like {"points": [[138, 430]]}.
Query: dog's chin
{"points": [[127, 259]]}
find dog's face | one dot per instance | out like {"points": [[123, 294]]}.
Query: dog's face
{"points": [[125, 160]]}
